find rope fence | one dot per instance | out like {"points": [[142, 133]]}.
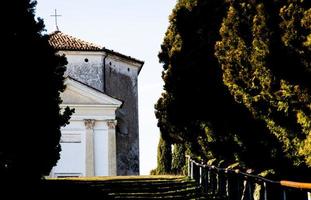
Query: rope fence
{"points": [[233, 184]]}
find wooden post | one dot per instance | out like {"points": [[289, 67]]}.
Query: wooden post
{"points": [[191, 170], [200, 180], [209, 180], [213, 181], [284, 194], [227, 185], [205, 179], [265, 195], [250, 192], [189, 166], [222, 182]]}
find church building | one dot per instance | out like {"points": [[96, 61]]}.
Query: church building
{"points": [[102, 138]]}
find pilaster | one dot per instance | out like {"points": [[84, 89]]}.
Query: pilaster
{"points": [[89, 148], [112, 150]]}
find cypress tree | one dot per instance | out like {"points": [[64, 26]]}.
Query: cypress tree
{"points": [[187, 55], [265, 60], [30, 146], [196, 107], [237, 80], [164, 159], [179, 158]]}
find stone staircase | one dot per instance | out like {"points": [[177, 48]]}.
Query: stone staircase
{"points": [[123, 187]]}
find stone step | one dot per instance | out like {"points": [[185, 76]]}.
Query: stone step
{"points": [[147, 187], [177, 192]]}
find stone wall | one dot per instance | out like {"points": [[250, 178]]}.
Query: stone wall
{"points": [[86, 67], [121, 83]]}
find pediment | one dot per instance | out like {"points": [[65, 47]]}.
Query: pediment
{"points": [[80, 93]]}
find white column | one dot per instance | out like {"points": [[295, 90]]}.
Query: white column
{"points": [[89, 147], [112, 148]]}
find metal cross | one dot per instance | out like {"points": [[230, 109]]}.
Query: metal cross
{"points": [[56, 15]]}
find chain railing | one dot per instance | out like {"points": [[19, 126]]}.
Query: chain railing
{"points": [[233, 184]]}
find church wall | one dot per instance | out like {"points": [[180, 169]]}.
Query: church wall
{"points": [[101, 148], [120, 77], [72, 144], [121, 83], [122, 67], [86, 66]]}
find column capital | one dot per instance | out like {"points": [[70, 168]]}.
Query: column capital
{"points": [[111, 124], [89, 123]]}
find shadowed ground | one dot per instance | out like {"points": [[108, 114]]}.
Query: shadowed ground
{"points": [[123, 187]]}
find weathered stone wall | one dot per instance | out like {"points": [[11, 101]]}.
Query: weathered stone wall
{"points": [[86, 67], [121, 83]]}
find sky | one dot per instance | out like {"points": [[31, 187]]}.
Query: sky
{"points": [[135, 28]]}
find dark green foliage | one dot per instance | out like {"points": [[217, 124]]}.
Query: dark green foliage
{"points": [[196, 106], [179, 159], [169, 162], [187, 58], [266, 67], [153, 171], [164, 160], [32, 79], [237, 82]]}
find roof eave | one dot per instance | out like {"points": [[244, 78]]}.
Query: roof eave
{"points": [[123, 56]]}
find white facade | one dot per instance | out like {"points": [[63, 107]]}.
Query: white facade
{"points": [[88, 142]]}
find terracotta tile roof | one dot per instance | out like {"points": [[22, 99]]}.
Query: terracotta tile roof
{"points": [[61, 41]]}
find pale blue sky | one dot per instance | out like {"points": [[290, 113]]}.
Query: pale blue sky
{"points": [[132, 27]]}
